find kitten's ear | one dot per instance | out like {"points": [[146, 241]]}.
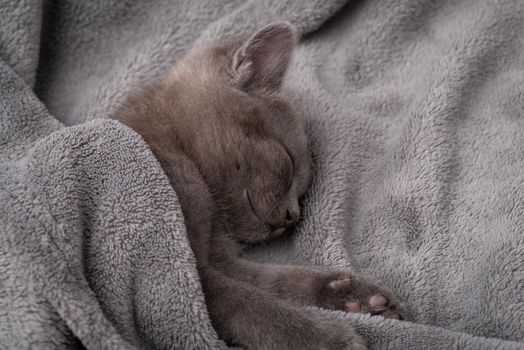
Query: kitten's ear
{"points": [[261, 62]]}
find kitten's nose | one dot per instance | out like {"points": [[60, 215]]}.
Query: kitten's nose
{"points": [[292, 216], [284, 216]]}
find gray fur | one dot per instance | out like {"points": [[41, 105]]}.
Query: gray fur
{"points": [[237, 157], [413, 112]]}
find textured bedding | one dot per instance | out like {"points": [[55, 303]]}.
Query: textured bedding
{"points": [[415, 115]]}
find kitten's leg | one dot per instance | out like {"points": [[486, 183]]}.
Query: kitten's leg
{"points": [[250, 317], [312, 286], [241, 313]]}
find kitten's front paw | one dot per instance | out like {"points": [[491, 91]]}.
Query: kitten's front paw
{"points": [[351, 293]]}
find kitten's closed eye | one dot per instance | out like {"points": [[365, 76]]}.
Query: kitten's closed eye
{"points": [[250, 202]]}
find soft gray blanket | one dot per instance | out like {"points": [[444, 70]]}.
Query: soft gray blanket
{"points": [[415, 112]]}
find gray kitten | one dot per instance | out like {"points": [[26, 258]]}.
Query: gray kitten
{"points": [[237, 157]]}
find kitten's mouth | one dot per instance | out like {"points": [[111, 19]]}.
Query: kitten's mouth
{"points": [[279, 231]]}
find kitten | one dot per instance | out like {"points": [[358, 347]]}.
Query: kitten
{"points": [[237, 158]]}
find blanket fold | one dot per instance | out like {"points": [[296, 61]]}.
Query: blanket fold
{"points": [[415, 116]]}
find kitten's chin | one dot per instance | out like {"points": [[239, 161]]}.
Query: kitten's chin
{"points": [[255, 236], [260, 238]]}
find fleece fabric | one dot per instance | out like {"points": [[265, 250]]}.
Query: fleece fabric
{"points": [[415, 115]]}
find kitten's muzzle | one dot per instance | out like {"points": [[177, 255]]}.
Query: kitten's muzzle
{"points": [[290, 220], [292, 216], [277, 223]]}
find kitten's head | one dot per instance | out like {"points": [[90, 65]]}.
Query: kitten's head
{"points": [[254, 155]]}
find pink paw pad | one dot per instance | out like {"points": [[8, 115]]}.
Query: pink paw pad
{"points": [[377, 301], [353, 306]]}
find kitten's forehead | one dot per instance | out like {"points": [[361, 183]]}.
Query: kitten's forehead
{"points": [[209, 66], [236, 123]]}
